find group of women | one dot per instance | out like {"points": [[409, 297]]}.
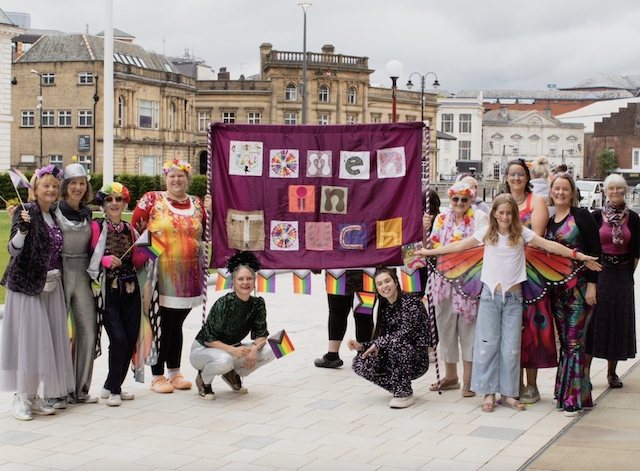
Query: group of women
{"points": [[593, 312], [52, 323]]}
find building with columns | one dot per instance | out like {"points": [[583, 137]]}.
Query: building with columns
{"points": [[8, 30]]}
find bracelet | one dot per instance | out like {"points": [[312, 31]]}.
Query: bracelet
{"points": [[574, 254]]}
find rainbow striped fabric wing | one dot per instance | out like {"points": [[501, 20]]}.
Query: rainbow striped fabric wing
{"points": [[545, 269], [462, 269]]}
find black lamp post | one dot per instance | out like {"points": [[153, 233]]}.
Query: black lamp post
{"points": [[423, 79], [34, 71], [394, 70]]}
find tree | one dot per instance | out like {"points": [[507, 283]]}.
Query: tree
{"points": [[607, 161]]}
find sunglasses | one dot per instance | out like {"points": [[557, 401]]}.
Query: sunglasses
{"points": [[517, 174], [109, 199], [455, 199]]}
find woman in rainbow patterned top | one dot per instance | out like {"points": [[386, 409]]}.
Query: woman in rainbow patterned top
{"points": [[178, 220]]}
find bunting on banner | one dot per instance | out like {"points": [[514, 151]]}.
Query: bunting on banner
{"points": [[337, 282], [368, 284], [410, 280], [363, 302], [302, 281], [266, 281], [224, 279]]}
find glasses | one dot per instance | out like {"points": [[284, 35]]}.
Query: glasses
{"points": [[517, 174], [109, 199], [455, 199]]}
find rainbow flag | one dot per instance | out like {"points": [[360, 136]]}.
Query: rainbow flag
{"points": [[337, 282], [266, 281], [301, 281], [224, 279], [18, 178], [280, 344], [410, 280], [364, 302], [367, 280], [150, 244]]}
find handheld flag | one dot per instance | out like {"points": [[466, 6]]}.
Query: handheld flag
{"points": [[280, 344], [364, 302], [18, 179], [150, 244]]}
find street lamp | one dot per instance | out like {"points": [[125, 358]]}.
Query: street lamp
{"points": [[394, 71], [34, 71], [423, 79], [303, 89]]}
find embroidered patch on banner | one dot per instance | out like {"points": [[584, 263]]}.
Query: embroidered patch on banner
{"points": [[245, 229], [318, 236], [319, 163], [391, 162], [284, 235], [284, 163], [302, 199], [389, 233], [334, 199], [355, 165], [245, 158], [353, 237]]}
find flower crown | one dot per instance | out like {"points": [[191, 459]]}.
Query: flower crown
{"points": [[460, 188], [176, 165], [50, 169], [115, 187]]}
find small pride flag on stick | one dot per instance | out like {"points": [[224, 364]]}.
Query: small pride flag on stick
{"points": [[302, 281], [368, 284], [267, 281], [19, 180], [150, 244], [337, 282], [224, 279], [364, 302], [410, 280], [280, 344]]}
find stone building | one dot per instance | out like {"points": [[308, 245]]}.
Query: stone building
{"points": [[528, 135], [8, 30], [59, 112]]}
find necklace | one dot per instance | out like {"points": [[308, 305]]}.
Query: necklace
{"points": [[521, 200]]}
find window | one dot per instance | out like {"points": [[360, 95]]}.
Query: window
{"points": [[571, 150], [228, 117], [150, 165], [447, 122], [464, 150], [352, 119], [376, 118], [48, 118], [204, 118], [465, 122], [636, 158], [552, 149], [120, 118], [27, 119], [64, 118], [85, 118], [516, 148], [291, 118], [85, 161], [323, 119], [56, 160], [351, 96], [323, 94], [533, 149], [48, 79], [496, 171], [254, 117], [145, 112], [291, 93], [85, 78], [172, 116]]}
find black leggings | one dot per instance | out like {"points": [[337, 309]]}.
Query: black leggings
{"points": [[339, 307], [170, 350]]}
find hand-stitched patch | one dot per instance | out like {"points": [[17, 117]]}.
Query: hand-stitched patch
{"points": [[284, 163], [355, 165], [318, 236], [391, 162], [319, 163], [245, 229], [302, 199], [245, 158], [389, 233], [334, 199], [284, 235], [353, 237]]}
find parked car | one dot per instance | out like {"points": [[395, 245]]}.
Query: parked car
{"points": [[591, 194]]}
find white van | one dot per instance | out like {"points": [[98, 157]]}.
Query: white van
{"points": [[591, 194]]}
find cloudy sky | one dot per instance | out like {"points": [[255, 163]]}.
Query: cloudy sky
{"points": [[491, 44]]}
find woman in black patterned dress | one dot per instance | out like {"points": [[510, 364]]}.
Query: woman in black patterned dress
{"points": [[398, 352]]}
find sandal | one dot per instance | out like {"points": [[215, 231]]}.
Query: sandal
{"points": [[614, 381], [466, 390], [178, 382], [516, 404], [489, 406], [446, 384]]}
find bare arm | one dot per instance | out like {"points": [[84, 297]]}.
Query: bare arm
{"points": [[459, 246], [539, 215]]}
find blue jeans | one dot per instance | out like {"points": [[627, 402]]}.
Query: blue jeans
{"points": [[496, 351]]}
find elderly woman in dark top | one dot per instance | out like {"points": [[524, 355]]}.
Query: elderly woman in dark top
{"points": [[398, 352], [218, 348]]}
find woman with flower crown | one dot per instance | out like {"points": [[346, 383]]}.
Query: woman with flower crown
{"points": [[36, 359], [178, 220], [455, 315]]}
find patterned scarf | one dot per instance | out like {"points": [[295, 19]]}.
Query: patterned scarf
{"points": [[615, 215]]}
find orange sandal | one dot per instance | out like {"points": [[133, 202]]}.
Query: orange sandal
{"points": [[161, 385], [178, 382]]}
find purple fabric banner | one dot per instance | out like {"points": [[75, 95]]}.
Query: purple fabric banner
{"points": [[314, 197]]}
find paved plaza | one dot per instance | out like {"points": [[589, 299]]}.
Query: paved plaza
{"points": [[297, 416]]}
